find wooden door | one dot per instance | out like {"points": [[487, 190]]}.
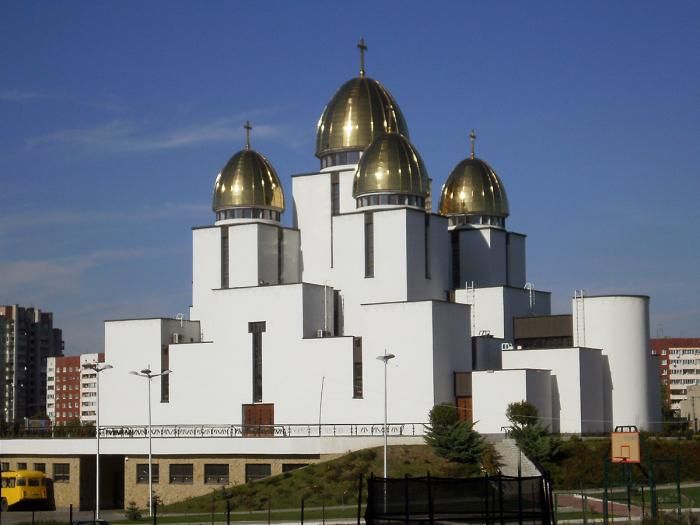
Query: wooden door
{"points": [[464, 409], [259, 419]]}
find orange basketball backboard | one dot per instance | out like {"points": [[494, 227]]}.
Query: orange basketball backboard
{"points": [[625, 447]]}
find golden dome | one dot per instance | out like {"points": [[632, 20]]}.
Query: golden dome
{"points": [[248, 181], [391, 165], [473, 188], [358, 113]]}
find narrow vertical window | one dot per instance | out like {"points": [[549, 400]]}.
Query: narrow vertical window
{"points": [[165, 378], [357, 367], [256, 329], [335, 207], [454, 240], [369, 245], [224, 257], [337, 313], [426, 243], [335, 194]]}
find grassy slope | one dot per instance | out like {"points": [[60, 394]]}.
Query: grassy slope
{"points": [[333, 482]]}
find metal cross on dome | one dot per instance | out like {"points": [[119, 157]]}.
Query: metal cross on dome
{"points": [[362, 47], [247, 128]]}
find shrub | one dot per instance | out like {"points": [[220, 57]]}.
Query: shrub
{"points": [[133, 513]]}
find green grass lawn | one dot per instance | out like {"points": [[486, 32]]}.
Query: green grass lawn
{"points": [[666, 498], [331, 483], [261, 515]]}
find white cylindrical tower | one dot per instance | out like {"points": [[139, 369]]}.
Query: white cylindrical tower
{"points": [[619, 326]]}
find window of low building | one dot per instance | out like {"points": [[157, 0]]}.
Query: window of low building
{"points": [[61, 472], [142, 473], [288, 467], [216, 474], [256, 471], [181, 473], [21, 466], [41, 467]]}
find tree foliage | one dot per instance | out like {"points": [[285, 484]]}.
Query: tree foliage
{"points": [[522, 413], [451, 439], [531, 435], [132, 511]]}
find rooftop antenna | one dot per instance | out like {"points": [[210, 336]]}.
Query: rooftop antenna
{"points": [[247, 128], [362, 47], [472, 139]]}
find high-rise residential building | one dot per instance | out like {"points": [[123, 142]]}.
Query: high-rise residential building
{"points": [[71, 389], [27, 339], [679, 366]]}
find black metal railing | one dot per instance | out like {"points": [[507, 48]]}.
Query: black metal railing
{"points": [[228, 431]]}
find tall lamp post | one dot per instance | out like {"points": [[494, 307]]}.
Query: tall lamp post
{"points": [[386, 357], [98, 368], [148, 374]]}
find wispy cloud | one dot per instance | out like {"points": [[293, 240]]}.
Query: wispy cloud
{"points": [[111, 103], [61, 271], [126, 136], [71, 217], [15, 95]]}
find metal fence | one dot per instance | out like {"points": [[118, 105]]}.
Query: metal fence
{"points": [[242, 431], [223, 431], [488, 500]]}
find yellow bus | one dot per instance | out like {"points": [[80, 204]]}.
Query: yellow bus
{"points": [[23, 490]]}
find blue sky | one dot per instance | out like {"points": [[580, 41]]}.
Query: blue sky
{"points": [[116, 116]]}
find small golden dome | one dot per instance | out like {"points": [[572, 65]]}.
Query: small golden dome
{"points": [[391, 165], [248, 181], [360, 111], [473, 188]]}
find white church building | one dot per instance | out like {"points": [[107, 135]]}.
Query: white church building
{"points": [[287, 323]]}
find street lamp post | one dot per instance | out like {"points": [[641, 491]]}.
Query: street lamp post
{"points": [[386, 357], [98, 368], [148, 374]]}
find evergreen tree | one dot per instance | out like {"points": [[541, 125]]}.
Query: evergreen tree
{"points": [[451, 439]]}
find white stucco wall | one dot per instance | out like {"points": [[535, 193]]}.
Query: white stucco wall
{"points": [[517, 267], [482, 256], [619, 325], [206, 266], [577, 402], [487, 353], [494, 307], [439, 281], [493, 391], [312, 216], [244, 249]]}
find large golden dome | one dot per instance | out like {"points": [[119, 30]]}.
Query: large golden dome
{"points": [[391, 165], [360, 111], [248, 181], [473, 188]]}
